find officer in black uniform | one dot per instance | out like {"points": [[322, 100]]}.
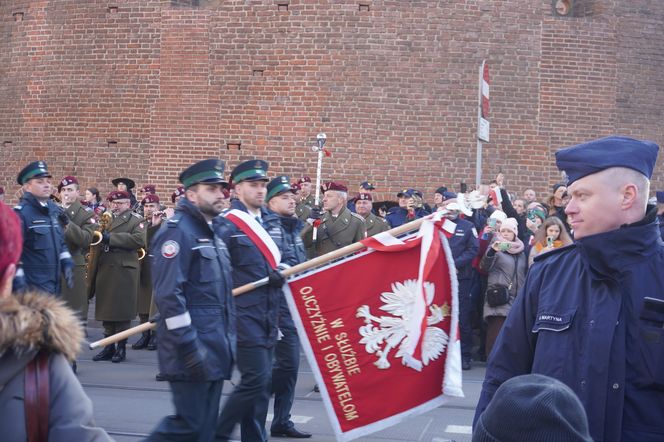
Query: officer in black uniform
{"points": [[192, 282], [281, 201], [45, 254], [257, 310]]}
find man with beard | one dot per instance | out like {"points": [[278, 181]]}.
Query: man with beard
{"points": [[373, 223], [117, 274], [196, 329], [79, 230], [337, 227], [255, 241], [45, 255], [281, 200]]}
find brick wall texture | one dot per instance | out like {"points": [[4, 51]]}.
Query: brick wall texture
{"points": [[142, 88]]}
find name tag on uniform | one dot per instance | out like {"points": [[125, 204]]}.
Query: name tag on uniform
{"points": [[553, 321]]}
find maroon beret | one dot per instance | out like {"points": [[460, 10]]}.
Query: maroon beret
{"points": [[66, 181], [118, 195], [295, 187], [178, 192], [304, 179], [334, 186], [364, 197], [150, 198], [149, 188]]}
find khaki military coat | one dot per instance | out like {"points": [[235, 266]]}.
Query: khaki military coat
{"points": [[118, 270], [375, 224], [145, 289], [78, 236], [303, 208], [334, 233]]}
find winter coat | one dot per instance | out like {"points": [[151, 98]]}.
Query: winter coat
{"points": [[43, 244], [397, 216], [78, 236], [583, 317], [292, 227], [464, 245], [258, 309], [500, 268], [116, 284], [191, 276], [31, 322]]}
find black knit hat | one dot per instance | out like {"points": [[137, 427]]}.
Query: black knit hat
{"points": [[533, 408]]}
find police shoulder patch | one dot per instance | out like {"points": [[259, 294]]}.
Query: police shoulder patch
{"points": [[170, 249]]}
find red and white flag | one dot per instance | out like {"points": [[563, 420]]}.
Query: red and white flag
{"points": [[380, 329]]}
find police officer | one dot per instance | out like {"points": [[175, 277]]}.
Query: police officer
{"points": [[464, 246], [281, 201], [153, 218], [337, 227], [591, 314], [117, 276], [410, 208], [196, 327], [257, 311], [78, 233], [374, 224], [45, 255]]}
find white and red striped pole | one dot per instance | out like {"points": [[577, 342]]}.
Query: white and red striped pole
{"points": [[482, 118]]}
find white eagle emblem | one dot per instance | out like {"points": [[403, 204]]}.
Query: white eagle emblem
{"points": [[392, 331]]}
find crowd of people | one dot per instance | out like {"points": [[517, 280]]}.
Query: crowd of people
{"points": [[177, 265]]}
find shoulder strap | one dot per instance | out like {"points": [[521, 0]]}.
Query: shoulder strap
{"points": [[37, 398], [257, 234]]}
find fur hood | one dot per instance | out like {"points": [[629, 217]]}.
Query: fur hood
{"points": [[32, 321]]}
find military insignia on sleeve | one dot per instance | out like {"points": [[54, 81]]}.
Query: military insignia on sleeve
{"points": [[170, 249]]}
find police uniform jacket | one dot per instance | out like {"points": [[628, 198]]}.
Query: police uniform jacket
{"points": [[43, 243], [464, 246], [397, 216], [292, 227], [191, 276], [145, 286], [582, 319], [660, 218], [116, 283], [334, 233], [375, 224], [78, 236], [257, 310]]}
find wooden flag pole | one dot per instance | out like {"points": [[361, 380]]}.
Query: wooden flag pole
{"points": [[307, 265]]}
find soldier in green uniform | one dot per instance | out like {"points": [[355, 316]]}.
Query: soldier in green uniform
{"points": [[305, 200], [374, 224], [153, 218], [117, 276], [338, 226], [78, 234]]}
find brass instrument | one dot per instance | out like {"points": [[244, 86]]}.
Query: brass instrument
{"points": [[95, 249]]}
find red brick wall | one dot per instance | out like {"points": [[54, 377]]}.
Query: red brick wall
{"points": [[395, 88]]}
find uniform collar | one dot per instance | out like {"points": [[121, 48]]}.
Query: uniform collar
{"points": [[608, 254], [32, 200], [186, 206], [266, 215]]}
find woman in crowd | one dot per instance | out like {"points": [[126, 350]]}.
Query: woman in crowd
{"points": [[550, 236], [557, 202], [506, 264], [39, 335]]}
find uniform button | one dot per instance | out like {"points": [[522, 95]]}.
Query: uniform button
{"points": [[616, 386], [592, 322]]}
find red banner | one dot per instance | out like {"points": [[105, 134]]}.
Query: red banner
{"points": [[380, 331]]}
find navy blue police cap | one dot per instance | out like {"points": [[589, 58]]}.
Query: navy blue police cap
{"points": [[366, 185], [252, 170], [441, 190], [278, 186], [615, 151], [660, 196], [206, 171], [36, 169]]}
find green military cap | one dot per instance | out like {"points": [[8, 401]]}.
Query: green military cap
{"points": [[36, 169], [207, 172]]}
